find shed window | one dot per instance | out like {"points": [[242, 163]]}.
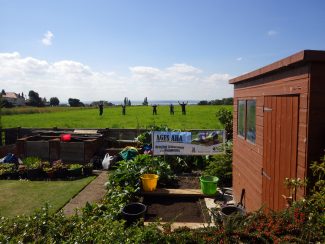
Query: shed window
{"points": [[246, 119], [241, 118], [251, 121]]}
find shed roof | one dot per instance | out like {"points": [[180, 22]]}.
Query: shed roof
{"points": [[300, 57]]}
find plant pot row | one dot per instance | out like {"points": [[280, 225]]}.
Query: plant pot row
{"points": [[40, 173]]}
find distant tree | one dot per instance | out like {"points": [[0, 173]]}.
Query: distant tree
{"points": [[126, 101], [44, 101], [108, 104], [145, 102], [74, 102], [204, 102], [5, 104], [34, 99], [54, 101], [129, 103], [3, 92], [228, 101]]}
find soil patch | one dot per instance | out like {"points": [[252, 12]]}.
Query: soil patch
{"points": [[175, 209], [183, 182], [188, 182]]}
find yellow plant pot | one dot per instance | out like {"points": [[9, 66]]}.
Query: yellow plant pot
{"points": [[149, 182]]}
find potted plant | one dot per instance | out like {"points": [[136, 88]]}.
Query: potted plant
{"points": [[59, 169], [8, 171], [74, 170], [87, 169], [22, 171], [34, 167]]}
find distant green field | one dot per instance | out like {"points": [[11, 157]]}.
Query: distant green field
{"points": [[197, 117]]}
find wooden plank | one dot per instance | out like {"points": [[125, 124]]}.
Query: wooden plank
{"points": [[176, 225], [294, 126], [279, 87], [273, 149], [303, 101], [80, 131], [39, 149], [175, 192], [278, 149], [72, 151], [288, 72]]}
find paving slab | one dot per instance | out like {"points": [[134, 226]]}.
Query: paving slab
{"points": [[92, 193]]}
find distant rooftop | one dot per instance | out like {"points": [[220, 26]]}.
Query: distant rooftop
{"points": [[10, 95]]}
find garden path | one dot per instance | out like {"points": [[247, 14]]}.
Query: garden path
{"points": [[92, 193]]}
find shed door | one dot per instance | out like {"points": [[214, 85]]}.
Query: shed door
{"points": [[279, 148]]}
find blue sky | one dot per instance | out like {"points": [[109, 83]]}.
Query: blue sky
{"points": [[162, 49]]}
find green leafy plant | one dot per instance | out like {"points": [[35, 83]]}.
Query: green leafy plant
{"points": [[74, 166], [226, 119], [32, 162], [293, 184], [220, 165], [6, 169]]}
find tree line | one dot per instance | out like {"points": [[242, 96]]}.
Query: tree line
{"points": [[35, 100], [223, 101]]}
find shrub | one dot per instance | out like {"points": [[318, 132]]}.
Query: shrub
{"points": [[226, 119], [220, 165]]}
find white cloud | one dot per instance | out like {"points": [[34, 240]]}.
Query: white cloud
{"points": [[183, 69], [272, 33], [239, 59], [68, 78], [47, 38]]}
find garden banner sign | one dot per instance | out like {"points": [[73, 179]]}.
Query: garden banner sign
{"points": [[182, 143]]}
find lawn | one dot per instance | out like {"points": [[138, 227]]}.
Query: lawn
{"points": [[23, 197], [197, 117]]}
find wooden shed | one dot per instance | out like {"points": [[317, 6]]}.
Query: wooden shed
{"points": [[279, 127]]}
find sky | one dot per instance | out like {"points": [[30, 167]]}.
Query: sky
{"points": [[161, 49]]}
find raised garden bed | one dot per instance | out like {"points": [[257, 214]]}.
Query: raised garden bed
{"points": [[176, 209], [78, 149]]}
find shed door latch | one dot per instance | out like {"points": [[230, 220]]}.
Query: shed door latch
{"points": [[266, 109], [265, 174]]}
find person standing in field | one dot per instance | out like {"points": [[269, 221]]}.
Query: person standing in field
{"points": [[183, 104], [123, 109], [101, 108], [171, 109], [154, 109]]}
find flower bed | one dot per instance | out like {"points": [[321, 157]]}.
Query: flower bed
{"points": [[34, 168]]}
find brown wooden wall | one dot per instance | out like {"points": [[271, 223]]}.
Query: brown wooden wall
{"points": [[316, 134], [248, 157]]}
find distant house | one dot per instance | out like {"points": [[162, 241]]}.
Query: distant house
{"points": [[14, 98]]}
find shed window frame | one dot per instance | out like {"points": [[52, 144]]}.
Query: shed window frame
{"points": [[244, 118]]}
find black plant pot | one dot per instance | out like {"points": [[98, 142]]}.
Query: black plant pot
{"points": [[60, 173], [75, 173], [87, 171], [231, 209], [132, 212], [34, 174]]}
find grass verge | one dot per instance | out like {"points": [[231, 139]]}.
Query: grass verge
{"points": [[20, 197]]}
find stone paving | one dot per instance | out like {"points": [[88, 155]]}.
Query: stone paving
{"points": [[92, 193]]}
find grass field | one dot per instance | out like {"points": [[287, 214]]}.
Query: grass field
{"points": [[197, 117], [23, 197]]}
